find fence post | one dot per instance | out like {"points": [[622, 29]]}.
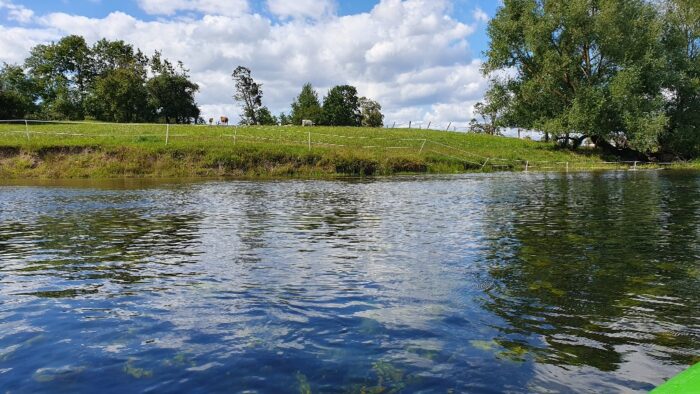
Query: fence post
{"points": [[527, 165], [422, 146], [448, 127], [235, 134], [167, 133], [26, 128], [429, 124], [409, 124], [635, 166], [394, 125], [309, 141], [567, 166]]}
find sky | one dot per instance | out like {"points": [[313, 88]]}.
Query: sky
{"points": [[420, 59]]}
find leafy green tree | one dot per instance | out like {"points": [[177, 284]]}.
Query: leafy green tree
{"points": [[284, 119], [171, 93], [306, 106], [110, 55], [62, 72], [581, 68], [265, 117], [341, 107], [17, 93], [371, 113], [249, 94], [11, 105], [682, 42], [122, 96]]}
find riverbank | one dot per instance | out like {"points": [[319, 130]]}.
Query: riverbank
{"points": [[72, 150]]}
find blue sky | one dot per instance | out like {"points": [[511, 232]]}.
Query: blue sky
{"points": [[420, 58]]}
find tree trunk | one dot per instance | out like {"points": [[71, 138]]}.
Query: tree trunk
{"points": [[628, 153]]}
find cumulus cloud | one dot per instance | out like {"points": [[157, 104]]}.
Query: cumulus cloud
{"points": [[479, 15], [313, 9], [15, 12], [412, 55]]}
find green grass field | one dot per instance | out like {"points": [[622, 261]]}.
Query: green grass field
{"points": [[75, 150]]}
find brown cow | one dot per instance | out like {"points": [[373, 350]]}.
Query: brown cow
{"points": [[224, 120]]}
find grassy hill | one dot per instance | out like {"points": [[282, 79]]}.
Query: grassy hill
{"points": [[75, 150]]}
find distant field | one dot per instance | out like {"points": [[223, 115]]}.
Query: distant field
{"points": [[53, 150]]}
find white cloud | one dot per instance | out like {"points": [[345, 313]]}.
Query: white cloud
{"points": [[410, 55], [313, 9], [209, 7], [480, 16], [17, 13]]}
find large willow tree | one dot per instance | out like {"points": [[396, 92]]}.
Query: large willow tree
{"points": [[581, 68]]}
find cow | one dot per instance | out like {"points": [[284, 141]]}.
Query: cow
{"points": [[211, 121], [224, 120], [307, 122]]}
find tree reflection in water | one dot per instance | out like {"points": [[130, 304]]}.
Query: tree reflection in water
{"points": [[593, 263]]}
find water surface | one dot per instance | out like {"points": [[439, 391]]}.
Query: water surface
{"points": [[476, 283]]}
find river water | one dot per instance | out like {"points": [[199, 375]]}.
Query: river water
{"points": [[494, 283]]}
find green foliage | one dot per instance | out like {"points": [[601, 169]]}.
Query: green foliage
{"points": [[306, 106], [681, 40], [108, 81], [249, 94], [17, 93], [121, 96], [371, 113], [284, 119], [592, 68], [62, 72], [265, 117], [341, 107], [171, 92]]}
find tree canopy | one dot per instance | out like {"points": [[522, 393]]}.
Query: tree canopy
{"points": [[622, 72], [306, 106], [110, 81], [371, 113], [341, 107]]}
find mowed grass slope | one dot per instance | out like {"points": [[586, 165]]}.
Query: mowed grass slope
{"points": [[71, 150]]}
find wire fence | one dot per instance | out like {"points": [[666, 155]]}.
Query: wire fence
{"points": [[309, 138]]}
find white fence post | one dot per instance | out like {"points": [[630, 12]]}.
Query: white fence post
{"points": [[527, 165], [309, 141], [567, 166], [167, 133], [235, 134], [26, 128]]}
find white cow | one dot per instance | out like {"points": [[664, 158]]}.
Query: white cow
{"points": [[307, 122]]}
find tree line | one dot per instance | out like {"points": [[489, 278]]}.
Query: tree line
{"points": [[109, 81], [624, 73], [113, 81], [340, 107]]}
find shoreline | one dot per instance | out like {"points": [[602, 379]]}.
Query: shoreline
{"points": [[133, 164], [96, 151]]}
